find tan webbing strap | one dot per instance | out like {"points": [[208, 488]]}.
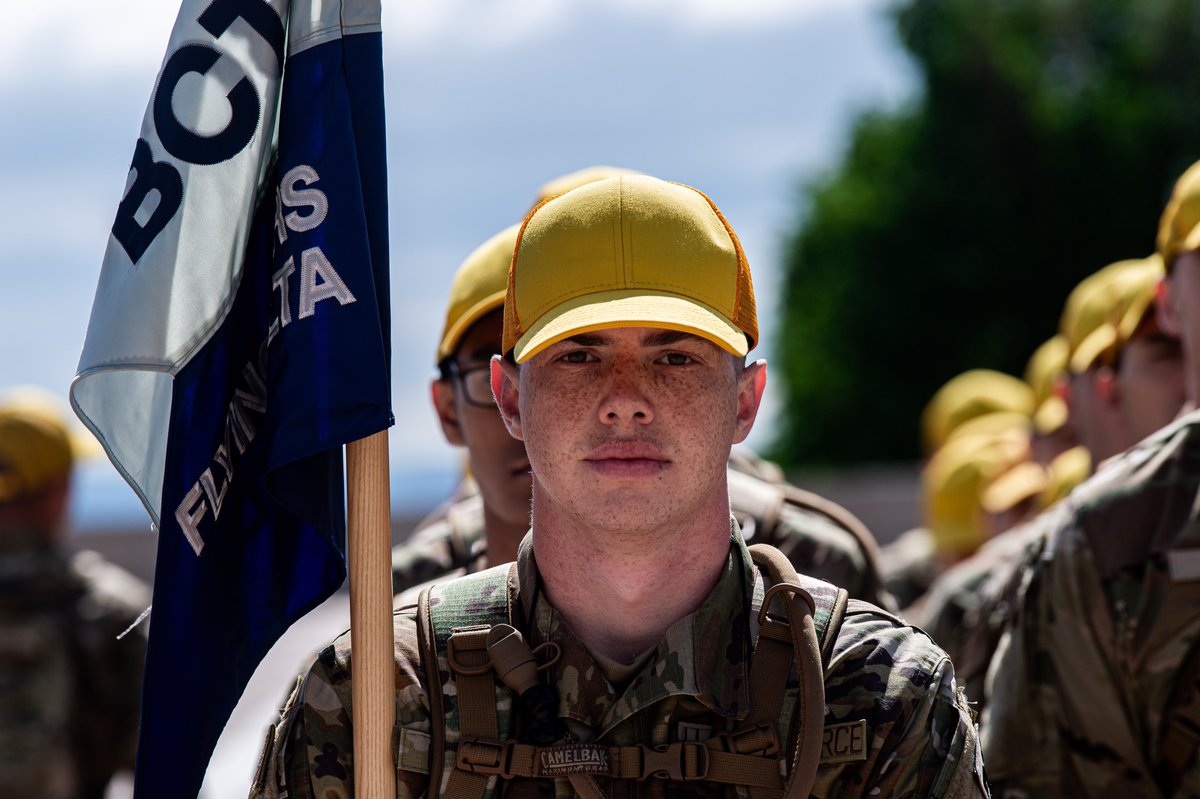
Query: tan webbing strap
{"points": [[469, 660], [433, 679], [1181, 727], [585, 785], [799, 606]]}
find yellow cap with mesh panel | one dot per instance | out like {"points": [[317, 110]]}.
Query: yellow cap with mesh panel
{"points": [[1179, 226], [631, 251], [481, 280], [973, 393], [1119, 294]]}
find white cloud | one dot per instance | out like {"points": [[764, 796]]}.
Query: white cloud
{"points": [[83, 40], [725, 14]]}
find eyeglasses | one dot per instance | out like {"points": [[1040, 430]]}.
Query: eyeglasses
{"points": [[476, 382]]}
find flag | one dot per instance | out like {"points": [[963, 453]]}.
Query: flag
{"points": [[239, 337]]}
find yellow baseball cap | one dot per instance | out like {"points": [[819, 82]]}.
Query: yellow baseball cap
{"points": [[956, 478], [1096, 310], [972, 394], [1045, 365], [1067, 470], [628, 252], [1179, 227], [580, 177], [37, 443], [478, 288]]}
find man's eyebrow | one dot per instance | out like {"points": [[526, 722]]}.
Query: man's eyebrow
{"points": [[588, 339], [665, 338], [657, 338]]}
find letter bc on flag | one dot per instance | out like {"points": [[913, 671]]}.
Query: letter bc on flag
{"points": [[239, 337]]}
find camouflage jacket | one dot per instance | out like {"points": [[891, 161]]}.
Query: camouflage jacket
{"points": [[1090, 673], [968, 605], [451, 541], [69, 690], [919, 739]]}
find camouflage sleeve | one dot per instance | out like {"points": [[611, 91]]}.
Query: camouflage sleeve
{"points": [[921, 739], [426, 555], [309, 752]]}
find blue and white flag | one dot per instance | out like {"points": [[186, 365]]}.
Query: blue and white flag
{"points": [[239, 338]]}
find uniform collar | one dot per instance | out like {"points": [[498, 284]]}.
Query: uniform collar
{"points": [[705, 655]]}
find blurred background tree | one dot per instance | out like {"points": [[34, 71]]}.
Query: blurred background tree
{"points": [[1042, 145]]}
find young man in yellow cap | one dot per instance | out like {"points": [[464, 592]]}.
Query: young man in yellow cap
{"points": [[1097, 669], [638, 647], [1111, 314], [69, 715], [485, 526]]}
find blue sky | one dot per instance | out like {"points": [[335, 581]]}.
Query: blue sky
{"points": [[486, 101]]}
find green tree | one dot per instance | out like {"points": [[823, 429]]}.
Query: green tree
{"points": [[1042, 146]]}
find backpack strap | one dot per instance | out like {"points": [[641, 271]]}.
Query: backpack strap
{"points": [[466, 701], [761, 503], [471, 714], [813, 612], [872, 581]]}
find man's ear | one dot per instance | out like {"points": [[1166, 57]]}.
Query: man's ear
{"points": [[443, 394], [752, 382], [506, 388], [1165, 308]]}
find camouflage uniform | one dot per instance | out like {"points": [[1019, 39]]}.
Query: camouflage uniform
{"points": [[1089, 674], [70, 689], [966, 608], [920, 740], [450, 542]]}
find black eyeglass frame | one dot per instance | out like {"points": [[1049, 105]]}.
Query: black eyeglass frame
{"points": [[450, 370]]}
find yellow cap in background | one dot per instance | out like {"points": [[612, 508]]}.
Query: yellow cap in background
{"points": [[1179, 226], [962, 473], [628, 252], [1045, 365], [1066, 471], [478, 288], [972, 394], [38, 442], [1100, 304]]}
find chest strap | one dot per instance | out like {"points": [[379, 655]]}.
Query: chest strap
{"points": [[679, 762]]}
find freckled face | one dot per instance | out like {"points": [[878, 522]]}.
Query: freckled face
{"points": [[629, 429]]}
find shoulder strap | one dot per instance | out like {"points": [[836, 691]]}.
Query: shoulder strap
{"points": [[813, 610], [453, 620], [872, 581]]}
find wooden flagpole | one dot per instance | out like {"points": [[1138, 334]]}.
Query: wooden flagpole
{"points": [[369, 548]]}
